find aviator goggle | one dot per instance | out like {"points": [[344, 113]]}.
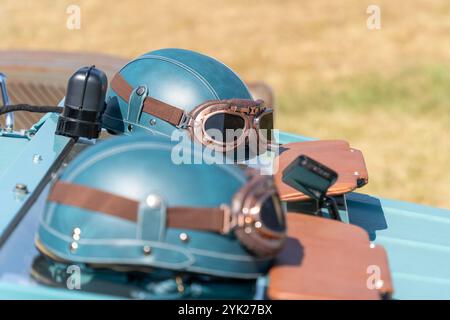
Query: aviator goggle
{"points": [[223, 125], [255, 215]]}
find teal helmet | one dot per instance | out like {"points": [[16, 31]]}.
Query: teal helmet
{"points": [[178, 77], [127, 202], [180, 91]]}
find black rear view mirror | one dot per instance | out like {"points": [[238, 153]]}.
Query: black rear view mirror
{"points": [[309, 176], [313, 179]]}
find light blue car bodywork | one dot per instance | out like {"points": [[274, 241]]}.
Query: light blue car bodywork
{"points": [[416, 237]]}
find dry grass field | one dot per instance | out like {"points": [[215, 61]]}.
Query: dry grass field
{"points": [[387, 91]]}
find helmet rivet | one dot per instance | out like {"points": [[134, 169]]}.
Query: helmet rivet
{"points": [[73, 247], [152, 122], [180, 285], [184, 237], [153, 201], [248, 220], [76, 234], [140, 90], [147, 250], [248, 230], [258, 224]]}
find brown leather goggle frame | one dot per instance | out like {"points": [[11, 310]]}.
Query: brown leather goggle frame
{"points": [[249, 110]]}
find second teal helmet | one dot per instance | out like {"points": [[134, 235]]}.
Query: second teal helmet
{"points": [[126, 202], [170, 89]]}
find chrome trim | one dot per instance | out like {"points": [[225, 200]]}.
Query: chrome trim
{"points": [[9, 117]]}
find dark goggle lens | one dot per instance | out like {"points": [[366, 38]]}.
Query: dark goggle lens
{"points": [[221, 122], [272, 214], [266, 125]]}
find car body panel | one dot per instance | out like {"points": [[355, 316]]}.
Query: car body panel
{"points": [[416, 237]]}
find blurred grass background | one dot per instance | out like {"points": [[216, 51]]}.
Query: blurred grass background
{"points": [[386, 91]]}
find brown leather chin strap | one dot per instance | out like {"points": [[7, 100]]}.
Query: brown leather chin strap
{"points": [[152, 106], [201, 219]]}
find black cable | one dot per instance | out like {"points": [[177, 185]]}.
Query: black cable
{"points": [[29, 108]]}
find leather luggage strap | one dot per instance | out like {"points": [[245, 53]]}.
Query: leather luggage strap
{"points": [[152, 106], [202, 219]]}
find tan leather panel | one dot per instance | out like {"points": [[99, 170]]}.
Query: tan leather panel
{"points": [[335, 154], [316, 266], [328, 229], [380, 259]]}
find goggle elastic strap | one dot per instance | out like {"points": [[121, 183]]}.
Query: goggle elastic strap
{"points": [[150, 213]]}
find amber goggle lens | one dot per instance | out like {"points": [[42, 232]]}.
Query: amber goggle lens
{"points": [[266, 125], [272, 215]]}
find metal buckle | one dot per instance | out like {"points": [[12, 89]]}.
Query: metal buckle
{"points": [[254, 110], [184, 122], [229, 220], [250, 110]]}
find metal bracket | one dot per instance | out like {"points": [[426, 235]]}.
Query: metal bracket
{"points": [[229, 219], [184, 122], [136, 104]]}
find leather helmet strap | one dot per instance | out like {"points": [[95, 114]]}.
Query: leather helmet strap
{"points": [[202, 219], [152, 106]]}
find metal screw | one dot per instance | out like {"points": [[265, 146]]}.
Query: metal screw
{"points": [[152, 122], [140, 90], [21, 188], [184, 237], [37, 158], [379, 284], [258, 224], [147, 250], [153, 201]]}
